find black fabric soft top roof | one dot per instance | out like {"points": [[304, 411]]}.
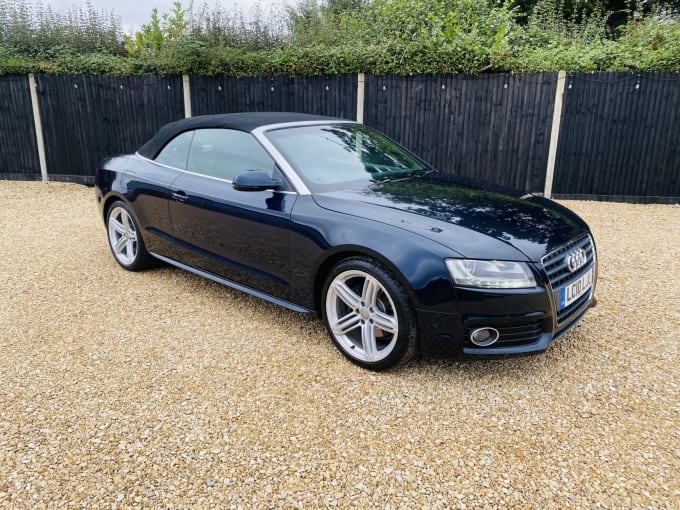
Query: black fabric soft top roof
{"points": [[239, 121]]}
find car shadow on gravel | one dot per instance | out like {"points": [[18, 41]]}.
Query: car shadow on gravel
{"points": [[439, 356]]}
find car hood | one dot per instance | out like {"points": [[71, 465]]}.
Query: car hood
{"points": [[474, 219]]}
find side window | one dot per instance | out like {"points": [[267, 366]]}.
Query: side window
{"points": [[176, 152], [224, 153]]}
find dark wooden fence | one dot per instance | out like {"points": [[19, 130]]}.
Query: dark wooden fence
{"points": [[18, 146], [86, 118], [618, 139], [491, 127], [325, 95]]}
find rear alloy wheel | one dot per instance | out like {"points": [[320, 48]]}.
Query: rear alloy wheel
{"points": [[125, 240], [368, 315]]}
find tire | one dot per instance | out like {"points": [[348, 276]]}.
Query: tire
{"points": [[125, 238], [368, 315]]}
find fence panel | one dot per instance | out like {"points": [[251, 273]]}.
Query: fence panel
{"points": [[335, 96], [494, 127], [619, 137], [18, 150], [86, 118]]}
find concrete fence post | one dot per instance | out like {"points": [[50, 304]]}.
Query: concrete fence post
{"points": [[361, 80], [37, 123], [554, 133], [187, 95]]}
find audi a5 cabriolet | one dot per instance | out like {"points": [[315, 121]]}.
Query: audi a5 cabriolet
{"points": [[327, 216]]}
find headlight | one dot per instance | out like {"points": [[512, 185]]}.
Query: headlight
{"points": [[490, 274]]}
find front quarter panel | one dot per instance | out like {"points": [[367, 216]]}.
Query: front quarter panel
{"points": [[320, 238]]}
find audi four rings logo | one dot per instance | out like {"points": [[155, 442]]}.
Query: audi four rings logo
{"points": [[576, 260]]}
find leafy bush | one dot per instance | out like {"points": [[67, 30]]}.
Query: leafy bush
{"points": [[549, 42], [650, 44], [35, 31], [403, 37]]}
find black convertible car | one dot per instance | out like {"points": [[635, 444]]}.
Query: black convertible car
{"points": [[327, 216]]}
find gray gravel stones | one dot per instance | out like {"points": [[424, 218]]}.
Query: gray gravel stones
{"points": [[161, 389]]}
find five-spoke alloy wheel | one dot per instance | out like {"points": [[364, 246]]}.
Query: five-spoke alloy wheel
{"points": [[125, 239], [368, 314]]}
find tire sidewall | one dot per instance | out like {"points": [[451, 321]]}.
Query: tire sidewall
{"points": [[141, 259], [407, 335]]}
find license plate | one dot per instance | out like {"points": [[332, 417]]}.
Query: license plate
{"points": [[576, 289]]}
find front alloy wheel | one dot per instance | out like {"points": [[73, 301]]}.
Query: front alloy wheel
{"points": [[368, 315]]}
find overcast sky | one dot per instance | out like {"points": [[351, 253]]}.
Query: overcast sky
{"points": [[133, 13]]}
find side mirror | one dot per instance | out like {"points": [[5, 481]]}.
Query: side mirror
{"points": [[255, 180]]}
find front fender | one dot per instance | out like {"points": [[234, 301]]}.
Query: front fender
{"points": [[321, 237]]}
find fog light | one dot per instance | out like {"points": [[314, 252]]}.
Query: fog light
{"points": [[484, 337]]}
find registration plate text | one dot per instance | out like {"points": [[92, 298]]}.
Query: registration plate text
{"points": [[576, 289]]}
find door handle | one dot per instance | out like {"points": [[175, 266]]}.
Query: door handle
{"points": [[179, 196]]}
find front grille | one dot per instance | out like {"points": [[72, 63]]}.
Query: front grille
{"points": [[555, 266], [511, 336], [567, 313], [519, 335]]}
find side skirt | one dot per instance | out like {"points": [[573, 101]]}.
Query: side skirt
{"points": [[234, 285]]}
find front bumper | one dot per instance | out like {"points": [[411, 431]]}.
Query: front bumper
{"points": [[528, 320], [519, 334]]}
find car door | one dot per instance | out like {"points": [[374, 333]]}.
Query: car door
{"points": [[148, 188], [240, 235]]}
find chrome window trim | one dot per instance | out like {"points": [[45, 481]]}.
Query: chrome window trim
{"points": [[159, 164], [284, 166], [203, 175], [299, 187]]}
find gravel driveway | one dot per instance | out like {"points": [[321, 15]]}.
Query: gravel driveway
{"points": [[162, 389]]}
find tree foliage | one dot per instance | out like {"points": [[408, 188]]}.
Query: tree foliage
{"points": [[347, 36], [39, 31]]}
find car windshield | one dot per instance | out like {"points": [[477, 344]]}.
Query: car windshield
{"points": [[331, 157]]}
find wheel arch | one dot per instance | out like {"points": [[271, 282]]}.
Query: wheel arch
{"points": [[346, 252], [109, 201]]}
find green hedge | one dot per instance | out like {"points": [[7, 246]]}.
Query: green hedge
{"points": [[338, 60], [397, 37]]}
